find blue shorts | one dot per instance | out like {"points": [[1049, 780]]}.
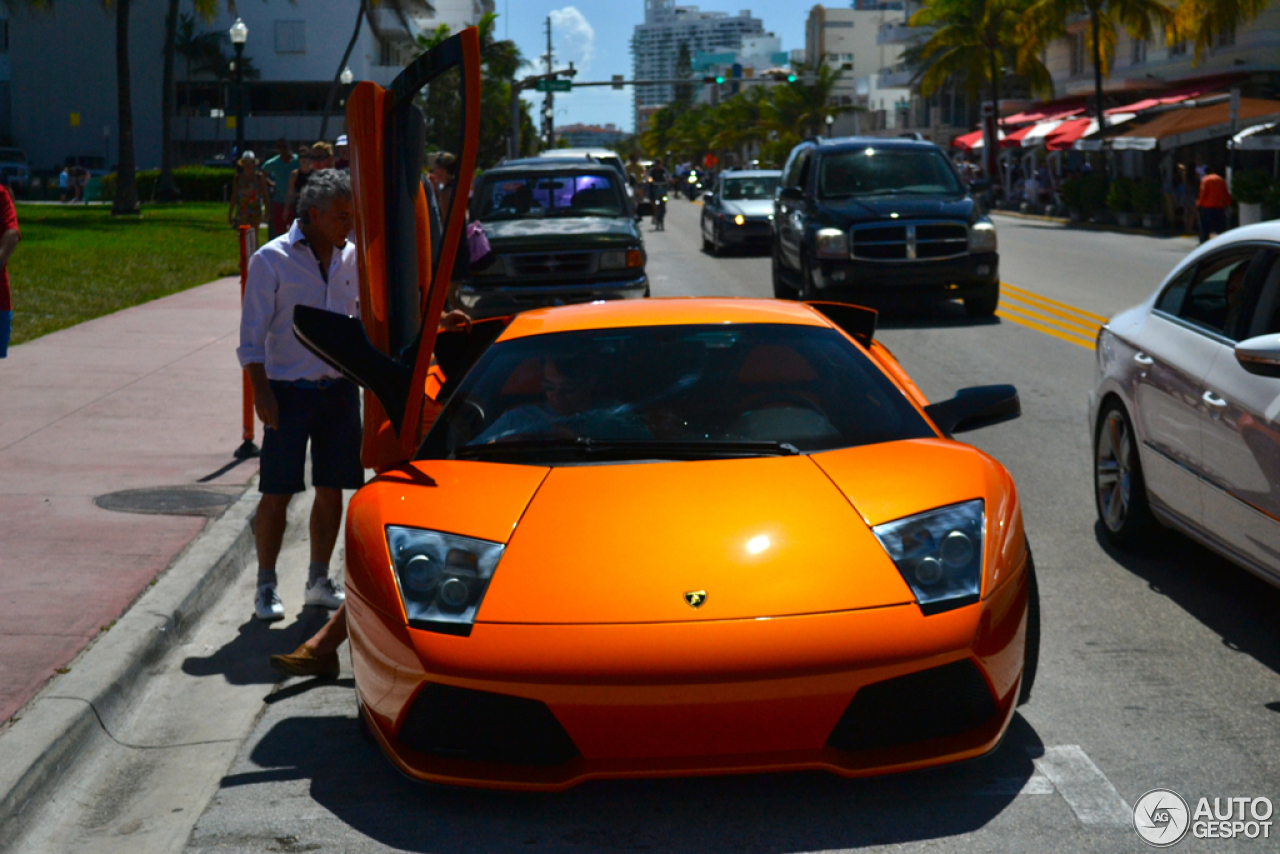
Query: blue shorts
{"points": [[327, 417], [6, 329]]}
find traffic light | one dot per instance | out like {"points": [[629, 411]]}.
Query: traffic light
{"points": [[719, 78], [791, 78]]}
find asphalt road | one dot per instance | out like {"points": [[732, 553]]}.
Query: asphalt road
{"points": [[1157, 670]]}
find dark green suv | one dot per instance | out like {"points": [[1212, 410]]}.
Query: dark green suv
{"points": [[561, 231], [881, 220]]}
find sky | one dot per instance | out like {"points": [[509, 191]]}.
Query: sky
{"points": [[596, 35]]}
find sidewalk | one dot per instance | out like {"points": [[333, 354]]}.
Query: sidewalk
{"points": [[147, 397]]}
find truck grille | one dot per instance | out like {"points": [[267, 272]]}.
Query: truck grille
{"points": [[910, 241], [551, 263]]}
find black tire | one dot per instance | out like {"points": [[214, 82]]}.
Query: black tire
{"points": [[807, 290], [365, 732], [716, 249], [1119, 489], [983, 304], [781, 290], [1031, 655]]}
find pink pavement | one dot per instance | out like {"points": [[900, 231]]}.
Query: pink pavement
{"points": [[145, 397]]}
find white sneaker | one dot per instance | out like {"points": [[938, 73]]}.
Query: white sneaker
{"points": [[266, 604], [324, 592]]}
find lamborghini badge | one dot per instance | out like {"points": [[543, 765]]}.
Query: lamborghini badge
{"points": [[695, 598]]}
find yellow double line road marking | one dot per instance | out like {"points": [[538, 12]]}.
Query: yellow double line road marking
{"points": [[1049, 316]]}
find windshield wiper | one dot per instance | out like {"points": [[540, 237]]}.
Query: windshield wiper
{"points": [[585, 448]]}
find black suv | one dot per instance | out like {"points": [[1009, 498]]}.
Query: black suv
{"points": [[561, 230], [881, 220]]}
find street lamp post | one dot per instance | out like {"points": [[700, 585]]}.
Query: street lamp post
{"points": [[830, 121], [239, 35]]}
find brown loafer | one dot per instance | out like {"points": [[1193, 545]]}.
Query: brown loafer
{"points": [[301, 662]]}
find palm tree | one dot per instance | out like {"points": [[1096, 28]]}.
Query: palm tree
{"points": [[401, 9], [126, 201], [1205, 20], [167, 191], [1048, 18], [974, 41], [800, 107]]}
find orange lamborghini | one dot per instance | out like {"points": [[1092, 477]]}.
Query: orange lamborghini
{"points": [[659, 537]]}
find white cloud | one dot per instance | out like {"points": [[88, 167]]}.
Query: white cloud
{"points": [[573, 36]]}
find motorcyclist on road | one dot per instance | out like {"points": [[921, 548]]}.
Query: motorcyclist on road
{"points": [[656, 186]]}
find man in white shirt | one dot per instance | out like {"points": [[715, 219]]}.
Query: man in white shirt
{"points": [[298, 397]]}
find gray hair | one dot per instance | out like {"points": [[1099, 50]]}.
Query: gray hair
{"points": [[323, 188]]}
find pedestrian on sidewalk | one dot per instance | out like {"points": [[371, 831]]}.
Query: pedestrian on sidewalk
{"points": [[280, 169], [299, 398], [1212, 203], [9, 237], [250, 193]]}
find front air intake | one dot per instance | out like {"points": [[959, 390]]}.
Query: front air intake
{"points": [[941, 701], [458, 723]]}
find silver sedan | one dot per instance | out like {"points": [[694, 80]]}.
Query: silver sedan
{"points": [[1185, 414]]}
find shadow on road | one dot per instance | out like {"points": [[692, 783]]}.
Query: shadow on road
{"points": [[1237, 606], [928, 315], [243, 661], [763, 812]]}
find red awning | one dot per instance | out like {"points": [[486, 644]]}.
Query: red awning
{"points": [[967, 140], [1014, 140], [1047, 111], [1067, 133]]}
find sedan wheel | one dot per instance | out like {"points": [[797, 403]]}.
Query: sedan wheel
{"points": [[1119, 489], [781, 290]]}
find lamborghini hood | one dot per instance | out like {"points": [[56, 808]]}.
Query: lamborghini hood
{"points": [[758, 537]]}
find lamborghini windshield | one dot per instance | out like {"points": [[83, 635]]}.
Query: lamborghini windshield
{"points": [[671, 392], [537, 195]]}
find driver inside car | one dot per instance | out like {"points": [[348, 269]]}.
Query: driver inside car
{"points": [[570, 408]]}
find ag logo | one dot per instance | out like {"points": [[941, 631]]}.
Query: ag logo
{"points": [[695, 598], [1161, 817]]}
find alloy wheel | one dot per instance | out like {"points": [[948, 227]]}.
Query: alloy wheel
{"points": [[1114, 470]]}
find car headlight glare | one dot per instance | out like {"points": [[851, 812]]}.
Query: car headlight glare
{"points": [[832, 243], [442, 577], [982, 236], [939, 554], [739, 220]]}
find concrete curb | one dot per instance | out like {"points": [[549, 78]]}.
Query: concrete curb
{"points": [[76, 709], [1087, 226]]}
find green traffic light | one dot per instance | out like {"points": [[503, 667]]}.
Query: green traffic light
{"points": [[791, 78], [719, 79]]}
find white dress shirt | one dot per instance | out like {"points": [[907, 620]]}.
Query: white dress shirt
{"points": [[282, 274]]}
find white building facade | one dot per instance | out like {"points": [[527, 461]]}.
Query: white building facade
{"points": [[656, 43], [62, 102]]}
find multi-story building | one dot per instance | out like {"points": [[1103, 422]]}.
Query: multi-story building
{"points": [[61, 83], [845, 39], [590, 136], [656, 44], [751, 62]]}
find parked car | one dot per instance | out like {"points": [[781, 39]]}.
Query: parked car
{"points": [[1184, 413], [738, 212], [561, 231], [15, 171], [875, 219]]}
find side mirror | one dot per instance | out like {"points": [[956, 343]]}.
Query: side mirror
{"points": [[980, 185], [708, 198], [1260, 355], [972, 408], [791, 194], [340, 341]]}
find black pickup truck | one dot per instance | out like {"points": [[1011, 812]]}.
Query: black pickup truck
{"points": [[561, 231], [882, 221]]}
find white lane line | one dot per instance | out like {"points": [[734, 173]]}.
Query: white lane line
{"points": [[1036, 784], [1083, 786]]}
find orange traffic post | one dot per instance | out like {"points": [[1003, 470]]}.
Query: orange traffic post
{"points": [[248, 245]]}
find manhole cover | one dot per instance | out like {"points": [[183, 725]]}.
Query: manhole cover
{"points": [[167, 501]]}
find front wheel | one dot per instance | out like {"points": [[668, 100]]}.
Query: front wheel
{"points": [[983, 304], [1031, 649], [1119, 489], [781, 290]]}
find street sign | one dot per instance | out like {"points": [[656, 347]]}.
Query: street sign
{"points": [[553, 85], [617, 81]]}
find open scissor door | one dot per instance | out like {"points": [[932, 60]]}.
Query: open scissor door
{"points": [[403, 283]]}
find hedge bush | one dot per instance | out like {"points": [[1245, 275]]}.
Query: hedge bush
{"points": [[1147, 198], [1120, 196], [1250, 186], [195, 184]]}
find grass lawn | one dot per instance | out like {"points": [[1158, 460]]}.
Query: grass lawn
{"points": [[76, 263]]}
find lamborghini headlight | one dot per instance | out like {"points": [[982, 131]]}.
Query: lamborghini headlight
{"points": [[939, 554], [982, 236], [442, 577]]}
